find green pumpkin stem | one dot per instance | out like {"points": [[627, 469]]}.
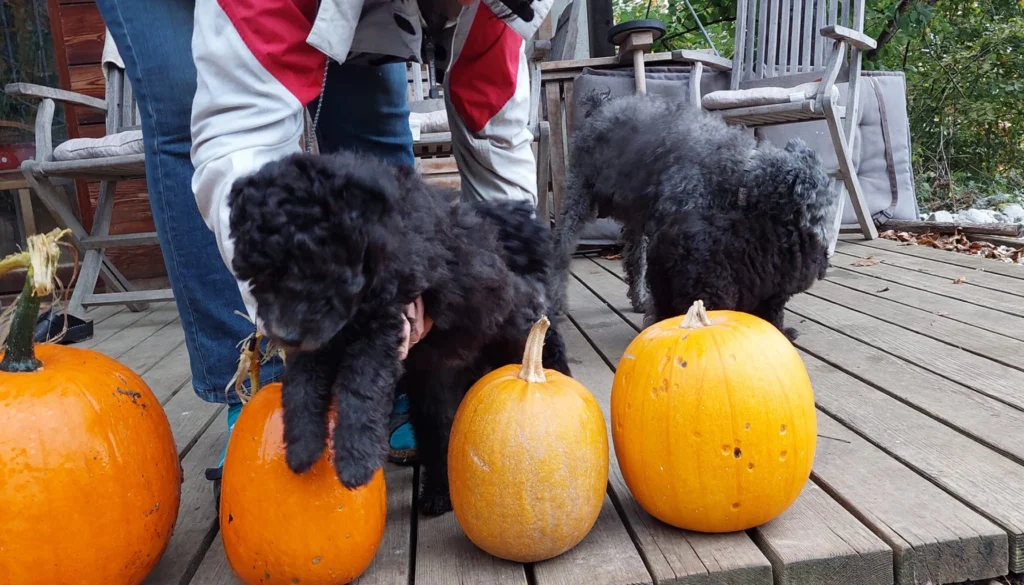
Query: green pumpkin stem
{"points": [[533, 357], [696, 317], [40, 262], [20, 355]]}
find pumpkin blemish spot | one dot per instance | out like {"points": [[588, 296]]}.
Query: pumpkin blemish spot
{"points": [[782, 430], [750, 467], [782, 456], [295, 581], [682, 363], [696, 434], [747, 426], [737, 453], [316, 561], [230, 518], [735, 505], [726, 449]]}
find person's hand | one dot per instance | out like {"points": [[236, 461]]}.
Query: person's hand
{"points": [[415, 326]]}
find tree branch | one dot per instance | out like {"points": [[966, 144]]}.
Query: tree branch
{"points": [[676, 35], [893, 26]]}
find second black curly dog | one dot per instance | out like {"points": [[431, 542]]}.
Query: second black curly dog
{"points": [[334, 247]]}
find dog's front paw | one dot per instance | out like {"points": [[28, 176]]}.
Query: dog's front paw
{"points": [[435, 504], [791, 333], [302, 454], [353, 473]]}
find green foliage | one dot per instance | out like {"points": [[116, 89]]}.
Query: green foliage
{"points": [[964, 62], [26, 55]]}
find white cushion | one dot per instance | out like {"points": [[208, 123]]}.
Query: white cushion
{"points": [[761, 96], [121, 144], [430, 122]]}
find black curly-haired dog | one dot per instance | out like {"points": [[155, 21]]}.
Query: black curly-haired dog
{"points": [[645, 159], [334, 247], [752, 258]]}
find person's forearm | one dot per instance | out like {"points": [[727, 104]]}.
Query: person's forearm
{"points": [[243, 116]]}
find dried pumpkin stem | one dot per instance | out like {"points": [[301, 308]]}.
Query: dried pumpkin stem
{"points": [[696, 317], [41, 263], [533, 358]]}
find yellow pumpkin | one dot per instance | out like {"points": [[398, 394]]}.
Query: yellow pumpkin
{"points": [[713, 421], [528, 459]]}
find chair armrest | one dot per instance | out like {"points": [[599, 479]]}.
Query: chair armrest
{"points": [[710, 60], [854, 38], [52, 93]]}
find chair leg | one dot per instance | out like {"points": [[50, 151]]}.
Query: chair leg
{"points": [[544, 173], [837, 223], [839, 142]]}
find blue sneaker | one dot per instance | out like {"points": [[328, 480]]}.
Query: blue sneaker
{"points": [[215, 474], [402, 444]]}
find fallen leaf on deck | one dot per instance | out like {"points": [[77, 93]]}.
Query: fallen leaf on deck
{"points": [[940, 313], [959, 280], [869, 261], [886, 289]]}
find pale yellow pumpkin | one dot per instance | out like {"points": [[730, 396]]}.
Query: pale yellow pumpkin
{"points": [[713, 421], [528, 460]]}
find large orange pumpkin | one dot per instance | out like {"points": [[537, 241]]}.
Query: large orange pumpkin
{"points": [[89, 475], [528, 460], [282, 528], [713, 421]]}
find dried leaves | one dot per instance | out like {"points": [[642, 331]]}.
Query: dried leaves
{"points": [[960, 280], [869, 261], [958, 242]]}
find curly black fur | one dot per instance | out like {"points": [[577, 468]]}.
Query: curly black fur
{"points": [[753, 258], [643, 160], [334, 247]]}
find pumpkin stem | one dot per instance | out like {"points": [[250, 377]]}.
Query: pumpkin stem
{"points": [[41, 263], [696, 317], [533, 358]]}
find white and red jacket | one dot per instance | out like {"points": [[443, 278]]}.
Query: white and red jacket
{"points": [[260, 62]]}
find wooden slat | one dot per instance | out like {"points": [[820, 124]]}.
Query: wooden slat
{"points": [[121, 298], [150, 323], [963, 260], [88, 80], [977, 476], [977, 316], [189, 416], [444, 555], [936, 539], [570, 102], [83, 33], [938, 327], [976, 277], [817, 541], [771, 56], [819, 42], [170, 375], [807, 35], [673, 556], [120, 240], [939, 285], [975, 415], [553, 99], [107, 330], [153, 349], [749, 35], [785, 23], [983, 376], [762, 37], [197, 516], [389, 567]]}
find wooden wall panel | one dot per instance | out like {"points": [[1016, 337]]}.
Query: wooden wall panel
{"points": [[78, 33]]}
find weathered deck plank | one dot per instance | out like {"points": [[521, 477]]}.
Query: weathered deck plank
{"points": [[121, 342], [170, 375], [986, 273], [1001, 301], [190, 416], [972, 413], [121, 321], [976, 316], [935, 538], [986, 481], [987, 377], [154, 348], [444, 555]]}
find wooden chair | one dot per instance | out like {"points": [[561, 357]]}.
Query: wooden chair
{"points": [[790, 43], [81, 159]]}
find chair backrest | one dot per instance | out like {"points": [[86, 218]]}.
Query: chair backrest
{"points": [[122, 109], [779, 42]]}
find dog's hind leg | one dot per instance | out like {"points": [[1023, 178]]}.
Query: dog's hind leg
{"points": [[433, 404], [773, 310], [634, 263], [555, 355], [306, 402]]}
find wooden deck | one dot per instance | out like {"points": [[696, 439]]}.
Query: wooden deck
{"points": [[919, 474]]}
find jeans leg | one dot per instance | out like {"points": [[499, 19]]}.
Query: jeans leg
{"points": [[158, 61], [365, 109]]}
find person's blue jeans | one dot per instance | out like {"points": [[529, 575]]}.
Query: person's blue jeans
{"points": [[365, 109]]}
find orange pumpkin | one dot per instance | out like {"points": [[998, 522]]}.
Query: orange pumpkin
{"points": [[713, 421], [281, 528], [528, 460], [89, 474]]}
